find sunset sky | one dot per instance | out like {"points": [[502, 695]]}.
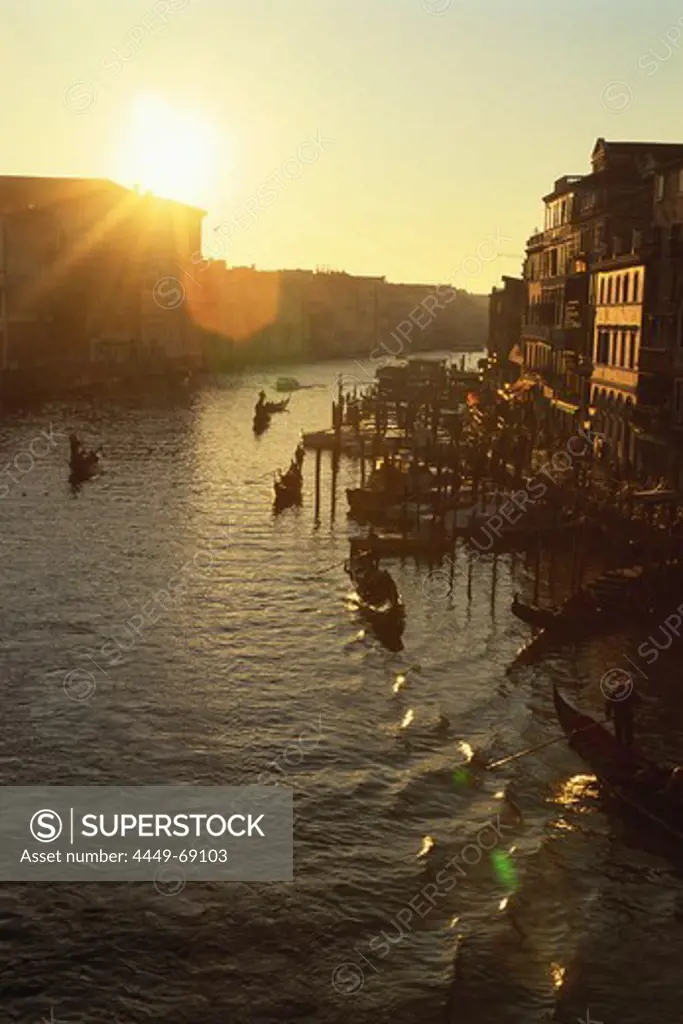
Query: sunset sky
{"points": [[443, 129]]}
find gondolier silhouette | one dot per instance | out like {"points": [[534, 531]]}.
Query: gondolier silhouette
{"points": [[622, 709], [371, 552]]}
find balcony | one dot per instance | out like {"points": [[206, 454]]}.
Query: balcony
{"points": [[555, 336]]}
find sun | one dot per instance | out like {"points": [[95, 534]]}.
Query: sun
{"points": [[169, 152]]}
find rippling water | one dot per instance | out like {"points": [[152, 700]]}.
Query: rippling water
{"points": [[259, 666]]}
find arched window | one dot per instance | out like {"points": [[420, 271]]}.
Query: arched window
{"points": [[609, 291], [627, 349], [602, 355], [627, 284]]}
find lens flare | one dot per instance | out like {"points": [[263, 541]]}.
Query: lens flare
{"points": [[427, 844], [466, 750], [557, 973], [461, 778], [504, 869]]}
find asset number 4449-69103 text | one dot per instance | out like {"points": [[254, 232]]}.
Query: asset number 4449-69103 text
{"points": [[184, 857]]}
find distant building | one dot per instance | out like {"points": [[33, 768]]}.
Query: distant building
{"points": [[259, 314], [322, 313], [343, 312], [421, 317]]}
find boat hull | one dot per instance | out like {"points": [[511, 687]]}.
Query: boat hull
{"points": [[539, 618], [635, 780], [83, 468], [261, 424], [396, 545], [387, 618]]}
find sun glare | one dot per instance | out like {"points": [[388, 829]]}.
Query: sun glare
{"points": [[169, 152]]}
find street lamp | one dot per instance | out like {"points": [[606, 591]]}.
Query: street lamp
{"points": [[592, 411]]}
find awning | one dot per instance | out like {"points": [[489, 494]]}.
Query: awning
{"points": [[658, 494], [567, 407]]}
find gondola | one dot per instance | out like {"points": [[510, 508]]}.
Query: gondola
{"points": [[518, 538], [641, 784], [261, 421], [378, 600], [289, 384], [581, 616], [288, 488], [83, 466], [539, 618]]}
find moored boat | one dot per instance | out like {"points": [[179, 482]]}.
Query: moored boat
{"points": [[288, 384], [533, 615], [648, 788], [389, 487], [603, 605], [522, 535]]}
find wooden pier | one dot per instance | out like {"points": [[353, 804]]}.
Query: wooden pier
{"points": [[482, 455]]}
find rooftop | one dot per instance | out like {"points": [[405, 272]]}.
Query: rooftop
{"points": [[20, 192]]}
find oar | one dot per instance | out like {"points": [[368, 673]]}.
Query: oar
{"points": [[555, 739], [321, 572]]}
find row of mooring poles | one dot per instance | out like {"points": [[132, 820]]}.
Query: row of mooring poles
{"points": [[336, 459], [479, 481]]}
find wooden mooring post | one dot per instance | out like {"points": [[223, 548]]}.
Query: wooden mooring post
{"points": [[335, 474], [318, 460], [494, 582], [537, 570]]}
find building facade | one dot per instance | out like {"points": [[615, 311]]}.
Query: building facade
{"points": [[506, 308], [589, 219], [322, 313], [90, 278], [618, 293]]}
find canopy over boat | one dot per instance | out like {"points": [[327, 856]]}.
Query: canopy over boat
{"points": [[658, 495]]}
